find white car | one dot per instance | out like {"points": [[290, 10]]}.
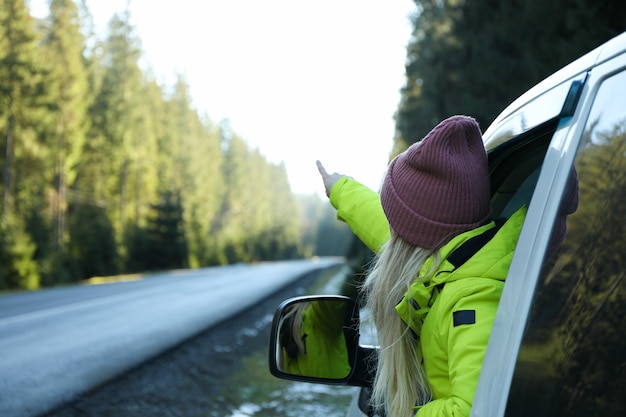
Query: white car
{"points": [[558, 345]]}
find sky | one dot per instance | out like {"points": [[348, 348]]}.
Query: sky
{"points": [[298, 80]]}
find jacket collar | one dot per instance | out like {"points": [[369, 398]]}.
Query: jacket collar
{"points": [[484, 252]]}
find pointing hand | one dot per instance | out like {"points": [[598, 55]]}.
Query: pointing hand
{"points": [[329, 179]]}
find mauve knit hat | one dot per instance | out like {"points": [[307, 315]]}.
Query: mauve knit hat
{"points": [[439, 187]]}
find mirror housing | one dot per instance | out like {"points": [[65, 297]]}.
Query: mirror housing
{"points": [[316, 339]]}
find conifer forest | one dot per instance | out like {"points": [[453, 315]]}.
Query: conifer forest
{"points": [[106, 171]]}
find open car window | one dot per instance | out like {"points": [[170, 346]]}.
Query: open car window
{"points": [[514, 168]]}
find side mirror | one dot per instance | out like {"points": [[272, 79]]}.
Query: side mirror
{"points": [[316, 339]]}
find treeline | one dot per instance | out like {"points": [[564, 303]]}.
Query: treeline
{"points": [[104, 171], [475, 57]]}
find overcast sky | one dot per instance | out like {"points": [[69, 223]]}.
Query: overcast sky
{"points": [[298, 80]]}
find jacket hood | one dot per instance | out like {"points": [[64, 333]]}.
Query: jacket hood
{"points": [[484, 252]]}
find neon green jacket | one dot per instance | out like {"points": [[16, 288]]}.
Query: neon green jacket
{"points": [[454, 309], [326, 352]]}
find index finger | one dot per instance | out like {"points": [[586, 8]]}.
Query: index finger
{"points": [[321, 168]]}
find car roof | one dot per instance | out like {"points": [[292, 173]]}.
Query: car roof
{"points": [[582, 65]]}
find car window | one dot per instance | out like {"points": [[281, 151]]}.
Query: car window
{"points": [[541, 109], [572, 361], [514, 168]]}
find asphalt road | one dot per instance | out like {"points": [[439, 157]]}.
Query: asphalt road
{"points": [[62, 348]]}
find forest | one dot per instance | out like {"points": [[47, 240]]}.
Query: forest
{"points": [[105, 171]]}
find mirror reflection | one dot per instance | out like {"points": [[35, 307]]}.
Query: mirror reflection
{"points": [[316, 338]]}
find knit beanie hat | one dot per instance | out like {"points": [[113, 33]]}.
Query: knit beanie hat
{"points": [[439, 187]]}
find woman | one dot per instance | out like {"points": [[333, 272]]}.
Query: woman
{"points": [[441, 262]]}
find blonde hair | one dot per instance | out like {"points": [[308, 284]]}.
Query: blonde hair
{"points": [[400, 382], [291, 325]]}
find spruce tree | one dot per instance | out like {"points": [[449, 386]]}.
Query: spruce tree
{"points": [[24, 121], [475, 57], [23, 106], [65, 46]]}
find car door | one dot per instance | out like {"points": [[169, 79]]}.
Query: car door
{"points": [[558, 347]]}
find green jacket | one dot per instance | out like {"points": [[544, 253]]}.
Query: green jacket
{"points": [[323, 334], [454, 309]]}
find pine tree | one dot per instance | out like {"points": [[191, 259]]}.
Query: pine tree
{"points": [[116, 117], [228, 224], [24, 109], [18, 271], [22, 106], [190, 164], [475, 57], [166, 232], [65, 46], [283, 238]]}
